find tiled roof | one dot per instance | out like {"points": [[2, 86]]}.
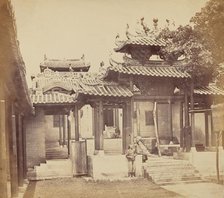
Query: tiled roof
{"points": [[89, 85], [51, 98], [157, 71], [67, 63], [141, 40], [209, 90], [106, 90]]}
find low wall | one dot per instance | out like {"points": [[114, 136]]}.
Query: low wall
{"points": [[111, 167]]}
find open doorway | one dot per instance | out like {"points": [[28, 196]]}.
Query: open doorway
{"points": [[56, 137], [112, 134]]}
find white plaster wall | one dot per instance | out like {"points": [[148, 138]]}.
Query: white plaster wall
{"points": [[86, 122], [199, 135]]}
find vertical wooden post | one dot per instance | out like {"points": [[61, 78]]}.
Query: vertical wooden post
{"points": [[213, 140], [181, 125], [99, 127], [186, 141], [127, 136], [20, 149], [124, 133], [138, 118], [64, 129], [76, 115], [101, 123], [96, 128], [170, 120], [155, 116], [116, 118], [60, 131], [69, 132], [192, 135], [206, 129], [12, 135], [3, 155], [24, 149]]}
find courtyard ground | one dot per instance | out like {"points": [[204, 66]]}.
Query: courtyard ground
{"points": [[198, 190], [81, 188]]}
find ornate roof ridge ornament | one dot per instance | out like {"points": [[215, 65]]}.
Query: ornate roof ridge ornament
{"points": [[145, 27]]}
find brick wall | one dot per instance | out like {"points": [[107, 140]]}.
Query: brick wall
{"points": [[35, 136]]}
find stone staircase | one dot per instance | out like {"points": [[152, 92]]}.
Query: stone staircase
{"points": [[165, 170], [51, 169], [112, 146], [55, 151]]}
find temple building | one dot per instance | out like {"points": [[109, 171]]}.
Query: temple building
{"points": [[141, 95]]}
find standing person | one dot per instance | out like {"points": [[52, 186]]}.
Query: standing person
{"points": [[130, 155]]}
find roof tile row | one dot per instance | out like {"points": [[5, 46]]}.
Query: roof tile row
{"points": [[209, 90], [141, 40], [157, 71], [51, 98]]}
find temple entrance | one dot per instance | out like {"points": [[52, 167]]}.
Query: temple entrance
{"points": [[56, 137], [112, 133]]}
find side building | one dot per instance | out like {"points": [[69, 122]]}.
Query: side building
{"points": [[15, 104]]}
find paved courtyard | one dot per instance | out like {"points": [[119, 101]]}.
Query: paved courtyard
{"points": [[80, 188]]}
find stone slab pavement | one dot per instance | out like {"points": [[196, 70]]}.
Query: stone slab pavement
{"points": [[81, 188], [198, 190]]}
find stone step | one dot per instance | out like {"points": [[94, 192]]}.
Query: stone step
{"points": [[167, 170], [175, 176], [189, 172], [163, 182], [51, 169]]}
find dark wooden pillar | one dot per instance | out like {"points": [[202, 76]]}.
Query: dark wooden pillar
{"points": [[76, 116], [170, 120], [116, 118], [206, 129], [12, 135], [64, 129], [95, 127], [60, 129], [192, 134], [187, 128], [99, 126], [181, 125], [127, 126], [213, 140], [124, 132], [3, 152], [20, 159], [69, 132], [24, 148]]}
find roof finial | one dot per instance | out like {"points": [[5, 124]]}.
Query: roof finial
{"points": [[101, 64], [45, 57], [168, 22], [145, 28], [155, 23], [127, 32], [83, 57]]}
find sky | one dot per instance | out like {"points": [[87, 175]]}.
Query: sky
{"points": [[70, 28]]}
